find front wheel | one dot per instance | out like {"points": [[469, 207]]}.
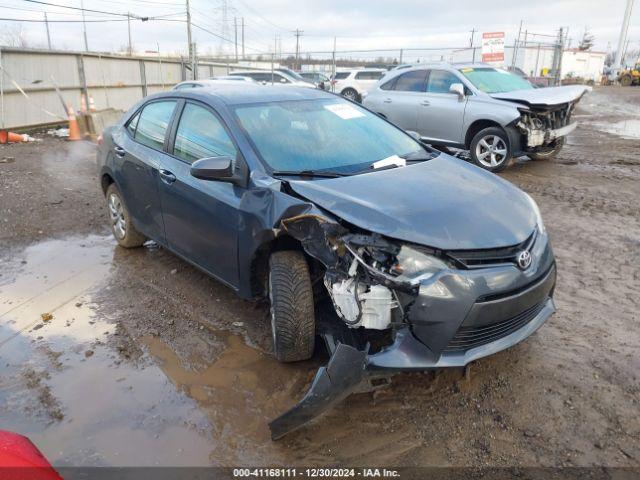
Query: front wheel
{"points": [[547, 152], [490, 149], [292, 309]]}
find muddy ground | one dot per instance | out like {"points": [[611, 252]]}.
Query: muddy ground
{"points": [[146, 361]]}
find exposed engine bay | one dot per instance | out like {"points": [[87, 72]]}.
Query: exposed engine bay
{"points": [[542, 126]]}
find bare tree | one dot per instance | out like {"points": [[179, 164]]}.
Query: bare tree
{"points": [[13, 36], [587, 40]]}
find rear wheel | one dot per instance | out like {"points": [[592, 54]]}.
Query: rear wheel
{"points": [[351, 94], [120, 220], [292, 309], [490, 149], [548, 152]]}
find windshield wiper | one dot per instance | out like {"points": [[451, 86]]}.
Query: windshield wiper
{"points": [[308, 173]]}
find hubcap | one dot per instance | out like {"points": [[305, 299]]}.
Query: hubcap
{"points": [[491, 151], [116, 215]]}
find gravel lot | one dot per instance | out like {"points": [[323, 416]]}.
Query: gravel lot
{"points": [[146, 361]]}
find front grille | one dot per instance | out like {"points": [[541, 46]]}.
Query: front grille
{"points": [[467, 338], [491, 256]]}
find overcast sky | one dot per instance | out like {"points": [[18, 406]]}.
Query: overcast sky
{"points": [[371, 24]]}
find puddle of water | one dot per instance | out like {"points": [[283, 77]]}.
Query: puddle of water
{"points": [[65, 388], [629, 129]]}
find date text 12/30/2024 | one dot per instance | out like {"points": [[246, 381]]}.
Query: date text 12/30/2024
{"points": [[315, 473]]}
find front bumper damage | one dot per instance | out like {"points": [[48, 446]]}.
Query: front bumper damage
{"points": [[447, 320]]}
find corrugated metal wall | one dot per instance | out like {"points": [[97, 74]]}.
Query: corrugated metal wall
{"points": [[112, 81]]}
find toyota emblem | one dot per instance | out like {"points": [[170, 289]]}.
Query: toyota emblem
{"points": [[524, 259]]}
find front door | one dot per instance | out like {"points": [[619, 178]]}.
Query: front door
{"points": [[441, 114], [201, 216]]}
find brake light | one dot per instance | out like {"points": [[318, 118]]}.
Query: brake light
{"points": [[100, 139]]}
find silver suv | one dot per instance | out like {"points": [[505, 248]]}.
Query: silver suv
{"points": [[493, 113]]}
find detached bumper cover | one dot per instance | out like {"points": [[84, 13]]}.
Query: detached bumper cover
{"points": [[458, 316]]}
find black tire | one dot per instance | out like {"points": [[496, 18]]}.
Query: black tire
{"points": [[120, 220], [626, 80], [293, 322], [477, 149], [548, 153], [351, 94]]}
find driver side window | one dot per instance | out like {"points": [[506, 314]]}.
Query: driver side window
{"points": [[440, 81], [201, 134]]}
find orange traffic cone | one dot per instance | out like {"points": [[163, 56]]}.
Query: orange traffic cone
{"points": [[10, 137], [74, 129], [83, 104], [92, 105]]}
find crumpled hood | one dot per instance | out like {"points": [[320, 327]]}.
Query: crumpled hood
{"points": [[544, 97], [443, 203]]}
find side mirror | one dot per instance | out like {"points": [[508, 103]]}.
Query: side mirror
{"points": [[213, 168], [414, 135], [458, 89]]}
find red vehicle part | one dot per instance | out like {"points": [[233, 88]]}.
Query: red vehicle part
{"points": [[21, 460]]}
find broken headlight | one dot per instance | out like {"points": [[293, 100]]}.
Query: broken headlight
{"points": [[415, 266]]}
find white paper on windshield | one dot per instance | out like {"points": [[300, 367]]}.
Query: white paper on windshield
{"points": [[392, 160], [344, 110]]}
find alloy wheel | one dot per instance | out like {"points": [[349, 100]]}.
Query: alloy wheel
{"points": [[491, 151], [116, 215]]}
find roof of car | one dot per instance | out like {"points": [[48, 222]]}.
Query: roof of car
{"points": [[244, 93]]}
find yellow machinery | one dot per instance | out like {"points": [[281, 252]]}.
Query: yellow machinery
{"points": [[630, 76]]}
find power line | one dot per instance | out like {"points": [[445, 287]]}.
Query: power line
{"points": [[81, 9]]}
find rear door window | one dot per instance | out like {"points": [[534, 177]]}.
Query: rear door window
{"points": [[369, 75], [440, 81], [413, 81], [153, 123], [201, 134]]}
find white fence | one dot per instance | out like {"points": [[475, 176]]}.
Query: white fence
{"points": [[28, 80]]}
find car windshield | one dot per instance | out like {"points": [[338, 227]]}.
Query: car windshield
{"points": [[495, 80], [323, 135]]}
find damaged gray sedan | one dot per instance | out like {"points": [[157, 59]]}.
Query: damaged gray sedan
{"points": [[398, 257]]}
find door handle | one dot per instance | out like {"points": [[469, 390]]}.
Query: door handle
{"points": [[166, 176], [119, 151], [387, 100], [425, 103]]}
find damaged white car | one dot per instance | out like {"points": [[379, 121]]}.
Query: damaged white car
{"points": [[491, 112]]}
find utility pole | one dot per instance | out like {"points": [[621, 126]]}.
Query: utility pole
{"points": [[617, 65], [333, 73], [129, 29], [235, 33], [473, 50], [242, 20], [190, 49], [46, 22], [298, 33], [84, 27], [515, 47]]}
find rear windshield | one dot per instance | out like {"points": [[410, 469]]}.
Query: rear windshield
{"points": [[495, 80], [341, 75]]}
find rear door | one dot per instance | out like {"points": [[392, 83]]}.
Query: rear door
{"points": [[402, 98], [442, 113], [363, 81], [201, 216], [138, 154]]}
